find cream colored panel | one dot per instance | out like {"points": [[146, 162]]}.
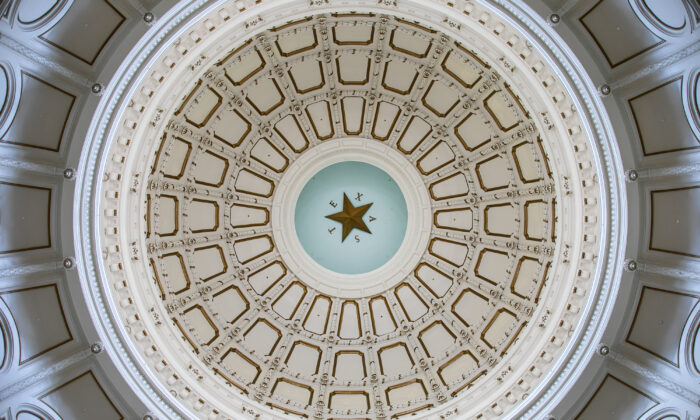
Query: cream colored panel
{"points": [[457, 219], [287, 390], [319, 114], [244, 67], [473, 132], [297, 41], [353, 109], [456, 368], [168, 215], [617, 31], [347, 400], [266, 277], [304, 359], [41, 116], [471, 307], [229, 304], [209, 262], [382, 320], [437, 282], [535, 214], [204, 105], [452, 186], [498, 328], [290, 131], [81, 398], [317, 319], [413, 135], [659, 321], [616, 399], [412, 305], [500, 220], [350, 321], [252, 183], [243, 216], [525, 162], [355, 34], [674, 221], [438, 156], [409, 43], [210, 170], [174, 272], [38, 316], [436, 339], [452, 252], [493, 173], [288, 302], [395, 360], [176, 157], [269, 155], [307, 75], [251, 248], [349, 366], [408, 391], [262, 338], [661, 121], [242, 366], [25, 217], [202, 216], [399, 76], [526, 276], [85, 29], [441, 98], [461, 69], [492, 266], [353, 69], [199, 320], [230, 127], [503, 114], [384, 119], [264, 95]]}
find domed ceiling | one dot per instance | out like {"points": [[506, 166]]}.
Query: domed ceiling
{"points": [[483, 286], [325, 209]]}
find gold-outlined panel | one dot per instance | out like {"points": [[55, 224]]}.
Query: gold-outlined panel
{"points": [[207, 318], [311, 309], [357, 352], [216, 215], [388, 309], [238, 290], [397, 344], [651, 222], [296, 384], [223, 260], [46, 350], [17, 111], [87, 60], [281, 295], [48, 219], [69, 382]]}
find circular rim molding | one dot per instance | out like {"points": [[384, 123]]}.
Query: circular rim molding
{"points": [[569, 364], [418, 227]]}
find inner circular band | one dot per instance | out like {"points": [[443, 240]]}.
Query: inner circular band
{"points": [[418, 217]]}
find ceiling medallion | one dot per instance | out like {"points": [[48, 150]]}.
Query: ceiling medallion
{"points": [[238, 316], [323, 221], [350, 217]]}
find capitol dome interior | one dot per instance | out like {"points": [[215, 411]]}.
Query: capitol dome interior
{"points": [[349, 209]]}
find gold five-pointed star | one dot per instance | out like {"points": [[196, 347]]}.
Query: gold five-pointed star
{"points": [[351, 217]]}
